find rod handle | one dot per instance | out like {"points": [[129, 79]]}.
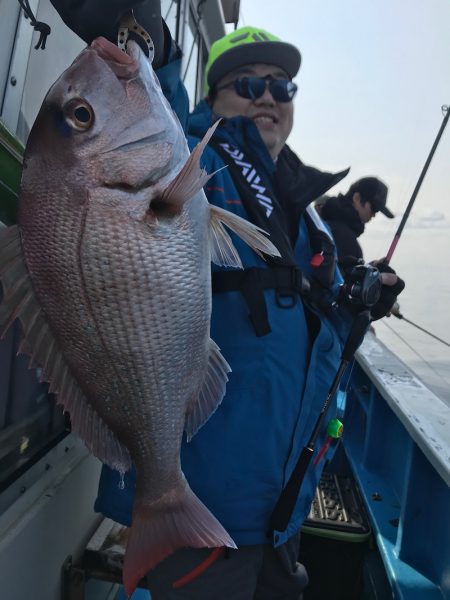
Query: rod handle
{"points": [[286, 502], [355, 337]]}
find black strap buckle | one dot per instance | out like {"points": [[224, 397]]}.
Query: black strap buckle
{"points": [[285, 298], [291, 283], [287, 282]]}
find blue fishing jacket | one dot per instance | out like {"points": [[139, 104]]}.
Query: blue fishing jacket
{"points": [[240, 460]]}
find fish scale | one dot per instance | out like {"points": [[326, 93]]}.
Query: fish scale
{"points": [[157, 346]]}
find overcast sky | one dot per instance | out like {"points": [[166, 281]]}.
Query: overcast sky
{"points": [[374, 76]]}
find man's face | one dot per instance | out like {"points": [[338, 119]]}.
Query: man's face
{"points": [[364, 209], [273, 119]]}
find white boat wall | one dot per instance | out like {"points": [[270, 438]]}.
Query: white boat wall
{"points": [[397, 432]]}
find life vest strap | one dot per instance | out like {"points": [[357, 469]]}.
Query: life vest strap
{"points": [[288, 282]]}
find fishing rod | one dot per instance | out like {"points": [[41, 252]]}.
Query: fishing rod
{"points": [[445, 109], [367, 289], [400, 316]]}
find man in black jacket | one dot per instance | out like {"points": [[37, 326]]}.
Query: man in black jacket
{"points": [[347, 214]]}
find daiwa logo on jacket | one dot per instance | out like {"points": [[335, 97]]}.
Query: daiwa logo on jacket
{"points": [[249, 172]]}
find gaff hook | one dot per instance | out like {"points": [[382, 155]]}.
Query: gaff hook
{"points": [[127, 25]]}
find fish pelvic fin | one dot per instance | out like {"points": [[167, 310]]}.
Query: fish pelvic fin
{"points": [[211, 392], [157, 531], [223, 251], [19, 301], [189, 180]]}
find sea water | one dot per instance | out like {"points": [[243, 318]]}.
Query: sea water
{"points": [[421, 259]]}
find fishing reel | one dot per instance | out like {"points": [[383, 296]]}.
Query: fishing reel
{"points": [[362, 286]]}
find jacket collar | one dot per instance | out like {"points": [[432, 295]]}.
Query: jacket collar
{"points": [[341, 209], [236, 131], [306, 183]]}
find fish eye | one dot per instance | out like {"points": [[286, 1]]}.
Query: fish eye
{"points": [[79, 114]]}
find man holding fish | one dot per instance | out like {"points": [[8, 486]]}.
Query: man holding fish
{"points": [[277, 320]]}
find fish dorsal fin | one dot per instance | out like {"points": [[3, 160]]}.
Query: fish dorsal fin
{"points": [[190, 179], [223, 251], [211, 392], [20, 302]]}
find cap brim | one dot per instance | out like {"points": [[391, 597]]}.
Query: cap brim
{"points": [[283, 55], [386, 212]]}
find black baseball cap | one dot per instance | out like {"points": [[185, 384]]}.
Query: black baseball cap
{"points": [[374, 191]]}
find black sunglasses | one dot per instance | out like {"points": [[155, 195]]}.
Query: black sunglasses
{"points": [[282, 90]]}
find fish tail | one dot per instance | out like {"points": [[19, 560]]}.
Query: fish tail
{"points": [[159, 531]]}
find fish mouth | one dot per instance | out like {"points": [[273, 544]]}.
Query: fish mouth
{"points": [[124, 65], [134, 142]]}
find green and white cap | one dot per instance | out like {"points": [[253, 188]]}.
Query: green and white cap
{"points": [[245, 46]]}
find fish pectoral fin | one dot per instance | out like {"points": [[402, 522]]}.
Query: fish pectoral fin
{"points": [[19, 302], [223, 251], [211, 393], [189, 180]]}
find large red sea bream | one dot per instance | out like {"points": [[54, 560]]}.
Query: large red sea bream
{"points": [[108, 272]]}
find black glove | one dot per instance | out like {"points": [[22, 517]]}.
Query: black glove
{"points": [[389, 293], [90, 19], [363, 288]]}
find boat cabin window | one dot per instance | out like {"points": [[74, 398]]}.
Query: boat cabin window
{"points": [[30, 421], [171, 13], [194, 58]]}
